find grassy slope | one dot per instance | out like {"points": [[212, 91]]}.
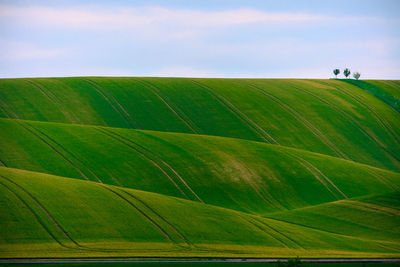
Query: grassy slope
{"points": [[302, 195], [392, 87], [116, 221], [375, 216], [233, 173], [329, 117], [388, 91]]}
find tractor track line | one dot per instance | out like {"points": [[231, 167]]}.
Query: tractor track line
{"points": [[45, 210], [56, 98], [239, 114], [162, 161], [316, 176], [254, 187], [10, 109], [187, 122], [2, 162], [278, 232], [313, 129], [158, 215], [116, 101], [393, 106], [320, 99], [54, 149], [102, 131], [70, 153], [374, 207], [109, 102], [58, 105], [231, 110], [387, 247], [383, 180], [326, 178], [321, 230], [385, 124], [4, 112], [377, 143], [377, 117], [389, 207], [141, 212], [263, 230], [176, 107], [313, 228], [37, 218], [320, 172]]}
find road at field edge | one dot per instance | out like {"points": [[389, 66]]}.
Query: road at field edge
{"points": [[141, 260]]}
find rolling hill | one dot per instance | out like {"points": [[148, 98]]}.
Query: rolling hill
{"points": [[328, 117], [233, 173], [96, 166], [118, 221]]}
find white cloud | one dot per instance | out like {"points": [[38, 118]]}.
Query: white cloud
{"points": [[183, 71], [91, 17], [16, 50], [189, 43], [49, 70], [73, 18]]}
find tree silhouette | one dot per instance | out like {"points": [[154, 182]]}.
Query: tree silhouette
{"points": [[336, 72], [356, 75], [346, 72]]}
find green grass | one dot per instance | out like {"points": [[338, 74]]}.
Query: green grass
{"points": [[114, 221], [325, 116], [179, 167], [387, 91], [372, 216], [233, 173]]}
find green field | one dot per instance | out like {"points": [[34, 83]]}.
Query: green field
{"points": [[178, 167]]}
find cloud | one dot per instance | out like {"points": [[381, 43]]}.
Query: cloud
{"points": [[95, 18], [161, 41], [16, 51], [183, 71]]}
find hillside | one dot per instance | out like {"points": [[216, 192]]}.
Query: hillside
{"points": [[116, 221], [329, 117], [96, 166], [233, 173], [375, 216]]}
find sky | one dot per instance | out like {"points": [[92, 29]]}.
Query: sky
{"points": [[200, 38]]}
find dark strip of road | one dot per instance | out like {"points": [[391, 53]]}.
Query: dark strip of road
{"points": [[136, 260]]}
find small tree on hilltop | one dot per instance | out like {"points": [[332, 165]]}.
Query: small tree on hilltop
{"points": [[336, 72], [346, 72], [356, 75]]}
